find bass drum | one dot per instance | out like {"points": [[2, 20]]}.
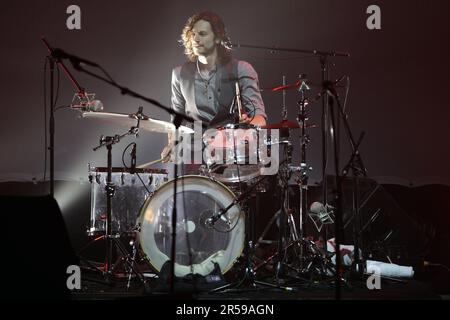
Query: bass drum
{"points": [[199, 245]]}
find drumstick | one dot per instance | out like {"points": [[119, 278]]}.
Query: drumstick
{"points": [[238, 98], [142, 166]]}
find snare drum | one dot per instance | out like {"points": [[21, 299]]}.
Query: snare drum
{"points": [[232, 152], [130, 194]]}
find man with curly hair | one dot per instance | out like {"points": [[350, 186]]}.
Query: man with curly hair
{"points": [[205, 87]]}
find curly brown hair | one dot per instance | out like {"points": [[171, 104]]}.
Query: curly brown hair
{"points": [[218, 27]]}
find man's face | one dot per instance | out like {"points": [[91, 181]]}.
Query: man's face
{"points": [[203, 38]]}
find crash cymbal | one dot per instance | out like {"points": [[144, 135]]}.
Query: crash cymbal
{"points": [[130, 120], [286, 124]]}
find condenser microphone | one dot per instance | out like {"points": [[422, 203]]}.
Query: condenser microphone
{"points": [[322, 211], [94, 105]]}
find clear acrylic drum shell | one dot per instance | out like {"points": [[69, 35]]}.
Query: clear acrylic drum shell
{"points": [[127, 201], [152, 215], [235, 165]]}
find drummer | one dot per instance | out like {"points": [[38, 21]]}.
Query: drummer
{"points": [[204, 87]]}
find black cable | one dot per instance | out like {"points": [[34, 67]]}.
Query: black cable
{"points": [[57, 88], [431, 264], [128, 168], [347, 89]]}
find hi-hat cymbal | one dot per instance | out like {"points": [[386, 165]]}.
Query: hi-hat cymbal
{"points": [[286, 124], [130, 120]]}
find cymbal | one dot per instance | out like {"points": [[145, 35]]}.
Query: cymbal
{"points": [[286, 124], [130, 120], [295, 85]]}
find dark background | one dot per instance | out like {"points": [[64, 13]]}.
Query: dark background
{"points": [[399, 79], [398, 92]]}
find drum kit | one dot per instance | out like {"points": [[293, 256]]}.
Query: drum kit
{"points": [[213, 229], [215, 215]]}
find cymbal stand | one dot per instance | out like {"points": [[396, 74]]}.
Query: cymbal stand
{"points": [[113, 240], [302, 179], [307, 257]]}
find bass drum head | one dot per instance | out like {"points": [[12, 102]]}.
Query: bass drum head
{"points": [[198, 245]]}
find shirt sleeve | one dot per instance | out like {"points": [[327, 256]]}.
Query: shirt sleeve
{"points": [[250, 92], [177, 99]]}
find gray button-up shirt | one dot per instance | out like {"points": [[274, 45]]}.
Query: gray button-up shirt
{"points": [[207, 101]]}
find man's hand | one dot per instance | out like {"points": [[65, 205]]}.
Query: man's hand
{"points": [[166, 153], [257, 120]]}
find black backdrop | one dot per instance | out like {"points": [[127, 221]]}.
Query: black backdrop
{"points": [[398, 75]]}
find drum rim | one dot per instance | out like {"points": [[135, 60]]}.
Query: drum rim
{"points": [[127, 170], [240, 125]]}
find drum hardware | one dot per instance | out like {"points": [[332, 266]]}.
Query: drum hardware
{"points": [[295, 252], [323, 57], [248, 280], [112, 240]]}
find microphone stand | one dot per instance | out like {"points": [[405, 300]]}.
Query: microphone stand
{"points": [[52, 127], [177, 122], [111, 239], [248, 281], [356, 165], [52, 60], [323, 56], [177, 118], [355, 157]]}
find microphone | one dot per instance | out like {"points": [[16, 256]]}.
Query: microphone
{"points": [[209, 223], [61, 54], [93, 105], [321, 210], [320, 214]]}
